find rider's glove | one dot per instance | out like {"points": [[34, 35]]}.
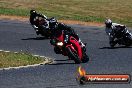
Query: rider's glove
{"points": [[52, 42]]}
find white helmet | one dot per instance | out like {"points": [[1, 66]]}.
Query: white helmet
{"points": [[108, 23]]}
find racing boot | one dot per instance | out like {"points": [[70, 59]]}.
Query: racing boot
{"points": [[36, 29]]}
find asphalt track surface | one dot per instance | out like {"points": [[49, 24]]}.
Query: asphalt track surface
{"points": [[20, 36]]}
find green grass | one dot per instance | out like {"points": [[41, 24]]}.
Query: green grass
{"points": [[10, 59], [82, 10], [17, 12]]}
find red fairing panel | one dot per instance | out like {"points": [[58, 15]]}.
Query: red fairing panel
{"points": [[77, 45]]}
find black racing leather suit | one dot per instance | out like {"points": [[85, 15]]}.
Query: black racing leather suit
{"points": [[67, 30], [33, 18]]}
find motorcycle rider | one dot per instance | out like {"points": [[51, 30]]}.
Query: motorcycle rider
{"points": [[34, 16], [111, 28], [58, 27], [69, 31]]}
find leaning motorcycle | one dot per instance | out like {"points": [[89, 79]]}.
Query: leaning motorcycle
{"points": [[122, 37], [69, 47], [41, 30]]}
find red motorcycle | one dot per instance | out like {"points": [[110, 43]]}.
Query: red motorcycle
{"points": [[71, 48]]}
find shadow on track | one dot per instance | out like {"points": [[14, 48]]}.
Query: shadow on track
{"points": [[37, 38], [115, 47], [61, 62]]}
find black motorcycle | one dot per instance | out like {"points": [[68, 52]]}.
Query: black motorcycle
{"points": [[41, 29], [122, 37]]}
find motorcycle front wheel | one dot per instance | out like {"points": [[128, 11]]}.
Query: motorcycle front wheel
{"points": [[112, 44], [57, 50], [85, 58], [73, 56]]}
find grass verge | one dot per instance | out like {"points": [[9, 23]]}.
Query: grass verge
{"points": [[11, 59], [82, 10]]}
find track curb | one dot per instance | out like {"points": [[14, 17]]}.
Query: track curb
{"points": [[47, 61]]}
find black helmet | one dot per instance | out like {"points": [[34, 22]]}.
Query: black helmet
{"points": [[32, 12], [108, 23]]}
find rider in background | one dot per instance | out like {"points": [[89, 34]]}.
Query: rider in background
{"points": [[111, 28], [34, 16]]}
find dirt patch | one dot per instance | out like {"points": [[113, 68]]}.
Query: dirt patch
{"points": [[81, 23], [22, 18]]}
